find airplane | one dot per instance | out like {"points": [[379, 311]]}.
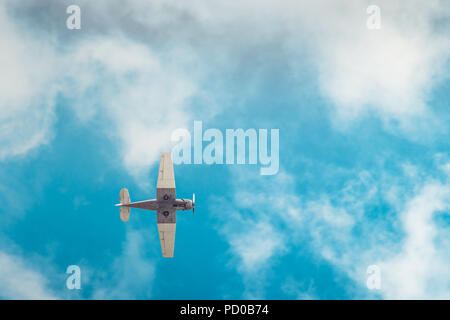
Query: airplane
{"points": [[166, 205]]}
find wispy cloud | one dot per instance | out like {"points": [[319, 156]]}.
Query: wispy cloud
{"points": [[143, 98], [246, 222], [20, 279], [27, 92], [300, 290], [131, 275], [420, 269], [254, 243], [137, 94], [388, 72], [347, 229]]}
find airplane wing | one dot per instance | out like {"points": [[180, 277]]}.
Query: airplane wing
{"points": [[166, 215], [165, 187], [166, 221]]}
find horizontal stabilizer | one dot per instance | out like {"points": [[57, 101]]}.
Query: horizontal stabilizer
{"points": [[124, 199]]}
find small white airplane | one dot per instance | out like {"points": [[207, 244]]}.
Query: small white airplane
{"points": [[166, 205]]}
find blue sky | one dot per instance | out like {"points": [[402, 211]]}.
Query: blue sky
{"points": [[364, 164]]}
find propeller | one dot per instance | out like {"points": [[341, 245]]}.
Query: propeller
{"points": [[193, 204]]}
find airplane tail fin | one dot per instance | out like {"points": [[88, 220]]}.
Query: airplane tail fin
{"points": [[124, 199]]}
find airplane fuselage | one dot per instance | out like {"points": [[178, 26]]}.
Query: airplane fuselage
{"points": [[157, 205]]}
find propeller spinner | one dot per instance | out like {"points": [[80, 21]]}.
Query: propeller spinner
{"points": [[193, 204]]}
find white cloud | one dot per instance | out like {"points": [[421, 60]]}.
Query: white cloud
{"points": [[132, 273], [139, 95], [347, 229], [178, 46], [26, 90], [299, 290], [420, 269], [254, 241], [388, 72], [253, 245], [143, 98], [130, 276], [18, 280], [413, 263]]}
